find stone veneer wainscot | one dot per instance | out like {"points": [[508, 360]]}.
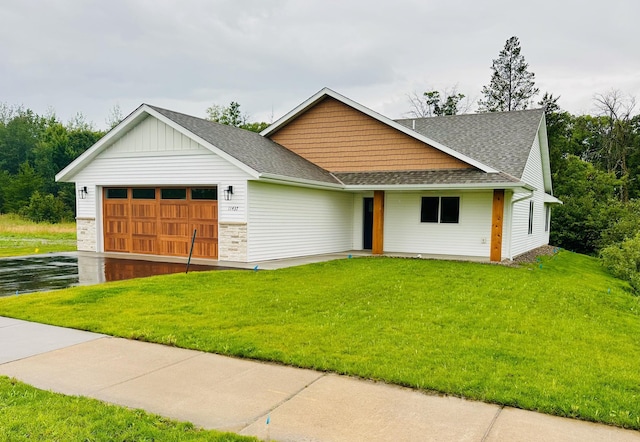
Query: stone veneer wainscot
{"points": [[232, 241], [86, 234]]}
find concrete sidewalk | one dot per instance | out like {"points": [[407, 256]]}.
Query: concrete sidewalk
{"points": [[237, 395]]}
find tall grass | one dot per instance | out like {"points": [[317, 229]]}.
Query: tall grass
{"points": [[11, 224], [19, 236]]}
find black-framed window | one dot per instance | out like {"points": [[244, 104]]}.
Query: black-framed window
{"points": [[449, 209], [430, 209], [440, 209], [143, 193], [113, 193], [530, 217], [210, 193], [173, 193]]}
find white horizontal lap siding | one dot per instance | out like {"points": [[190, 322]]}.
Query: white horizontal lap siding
{"points": [[522, 241], [154, 154], [85, 207], [471, 236], [285, 221], [188, 170]]}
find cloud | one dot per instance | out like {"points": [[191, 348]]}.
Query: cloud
{"points": [[269, 56]]}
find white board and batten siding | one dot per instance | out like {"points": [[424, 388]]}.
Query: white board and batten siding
{"points": [[286, 221], [154, 154], [521, 240], [404, 233]]}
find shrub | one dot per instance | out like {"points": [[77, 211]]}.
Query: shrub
{"points": [[623, 260], [45, 208]]}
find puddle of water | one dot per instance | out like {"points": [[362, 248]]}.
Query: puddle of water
{"points": [[50, 272]]}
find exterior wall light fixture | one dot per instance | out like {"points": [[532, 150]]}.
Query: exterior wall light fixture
{"points": [[228, 193], [83, 192]]}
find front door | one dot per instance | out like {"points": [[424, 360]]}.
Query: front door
{"points": [[367, 224]]}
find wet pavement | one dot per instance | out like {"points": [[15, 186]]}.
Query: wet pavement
{"points": [[39, 273]]}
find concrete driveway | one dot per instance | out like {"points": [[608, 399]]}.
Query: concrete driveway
{"points": [[37, 273]]}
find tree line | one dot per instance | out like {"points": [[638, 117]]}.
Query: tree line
{"points": [[33, 148]]}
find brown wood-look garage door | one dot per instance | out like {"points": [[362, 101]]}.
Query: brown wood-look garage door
{"points": [[161, 221]]}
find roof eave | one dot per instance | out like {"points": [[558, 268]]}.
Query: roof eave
{"points": [[303, 182], [326, 92], [519, 186], [544, 152], [550, 199]]}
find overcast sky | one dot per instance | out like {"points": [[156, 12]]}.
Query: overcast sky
{"points": [[270, 55]]}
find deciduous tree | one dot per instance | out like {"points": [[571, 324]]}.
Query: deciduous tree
{"points": [[231, 115], [435, 103]]}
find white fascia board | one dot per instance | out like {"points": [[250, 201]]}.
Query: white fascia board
{"points": [[550, 199], [544, 152], [326, 92], [484, 186], [239, 164], [300, 182], [112, 136]]}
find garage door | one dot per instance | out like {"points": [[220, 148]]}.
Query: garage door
{"points": [[161, 221]]}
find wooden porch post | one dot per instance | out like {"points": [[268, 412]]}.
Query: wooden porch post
{"points": [[377, 246], [497, 219]]}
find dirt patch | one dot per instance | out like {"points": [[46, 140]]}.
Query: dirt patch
{"points": [[530, 256]]}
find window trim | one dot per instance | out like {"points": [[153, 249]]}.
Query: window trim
{"points": [[547, 217], [439, 212], [531, 207]]}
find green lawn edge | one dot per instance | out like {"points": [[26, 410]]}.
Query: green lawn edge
{"points": [[28, 413], [558, 336]]}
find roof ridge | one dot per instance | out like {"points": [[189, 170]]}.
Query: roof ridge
{"points": [[539, 109]]}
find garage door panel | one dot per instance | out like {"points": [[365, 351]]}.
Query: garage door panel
{"points": [[175, 247], [144, 210], [117, 209], [160, 226], [144, 245], [147, 228], [174, 211], [117, 227], [116, 244], [170, 228], [208, 212], [205, 249], [205, 231]]}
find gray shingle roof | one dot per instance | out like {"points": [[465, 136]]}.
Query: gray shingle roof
{"points": [[501, 140], [259, 153], [424, 177]]}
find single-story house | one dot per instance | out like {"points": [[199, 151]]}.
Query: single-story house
{"points": [[330, 176]]}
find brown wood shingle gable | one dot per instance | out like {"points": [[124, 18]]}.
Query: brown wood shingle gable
{"points": [[339, 138]]}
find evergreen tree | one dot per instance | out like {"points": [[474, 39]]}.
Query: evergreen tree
{"points": [[512, 85]]}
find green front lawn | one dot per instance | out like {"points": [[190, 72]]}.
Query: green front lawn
{"points": [[28, 414], [21, 237], [559, 337]]}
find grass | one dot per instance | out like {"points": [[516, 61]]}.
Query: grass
{"points": [[27, 413], [560, 337], [21, 237]]}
